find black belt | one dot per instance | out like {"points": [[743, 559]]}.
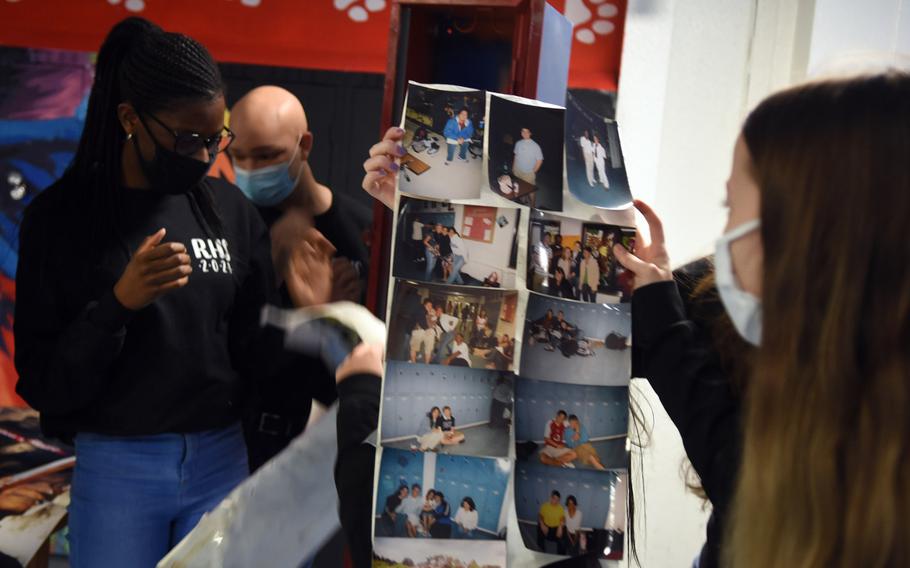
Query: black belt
{"points": [[279, 425]]}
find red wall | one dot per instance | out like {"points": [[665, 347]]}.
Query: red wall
{"points": [[312, 34]]}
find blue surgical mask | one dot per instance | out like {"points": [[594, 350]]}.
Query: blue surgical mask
{"points": [[743, 308], [268, 186]]}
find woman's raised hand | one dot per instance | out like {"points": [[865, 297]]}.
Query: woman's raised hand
{"points": [[650, 263], [382, 165]]}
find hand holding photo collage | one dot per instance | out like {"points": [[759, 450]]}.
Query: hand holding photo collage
{"points": [[508, 348]]}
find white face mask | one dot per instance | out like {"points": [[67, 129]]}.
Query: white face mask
{"points": [[743, 308]]}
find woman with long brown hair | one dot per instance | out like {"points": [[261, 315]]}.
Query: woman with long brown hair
{"points": [[813, 269]]}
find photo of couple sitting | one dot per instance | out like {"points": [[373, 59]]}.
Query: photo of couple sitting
{"points": [[562, 525], [466, 341], [407, 513], [557, 334], [441, 431], [567, 441]]}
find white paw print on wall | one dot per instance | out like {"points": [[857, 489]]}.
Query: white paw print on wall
{"points": [[359, 10], [131, 5], [591, 18]]}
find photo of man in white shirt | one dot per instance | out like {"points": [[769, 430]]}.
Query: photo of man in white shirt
{"points": [[461, 354], [411, 507], [528, 158]]}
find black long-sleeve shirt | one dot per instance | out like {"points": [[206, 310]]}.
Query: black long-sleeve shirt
{"points": [[337, 226], [675, 350], [178, 365], [287, 394]]}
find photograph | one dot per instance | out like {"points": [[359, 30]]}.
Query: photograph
{"points": [[571, 512], [525, 146], [424, 495], [457, 244], [444, 141], [407, 553], [574, 259], [35, 477], [25, 454], [595, 169], [574, 342], [453, 326], [454, 410], [571, 426]]}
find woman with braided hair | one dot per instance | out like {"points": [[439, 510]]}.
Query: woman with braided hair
{"points": [[141, 282]]}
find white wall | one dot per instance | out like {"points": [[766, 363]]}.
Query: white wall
{"points": [[845, 27], [484, 258]]}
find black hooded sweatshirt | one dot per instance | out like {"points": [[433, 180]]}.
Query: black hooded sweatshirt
{"points": [[180, 364]]}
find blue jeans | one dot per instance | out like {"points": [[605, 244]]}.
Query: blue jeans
{"points": [[443, 346], [462, 152], [135, 498], [431, 264], [455, 276]]}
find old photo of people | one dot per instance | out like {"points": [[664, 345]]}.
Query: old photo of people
{"points": [[525, 146], [574, 342], [446, 243], [444, 142], [429, 496], [453, 326], [571, 512], [448, 410], [574, 259], [572, 426], [595, 168]]}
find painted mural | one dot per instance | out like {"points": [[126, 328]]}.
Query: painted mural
{"points": [[43, 98]]}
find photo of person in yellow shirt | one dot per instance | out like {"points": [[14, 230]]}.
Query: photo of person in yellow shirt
{"points": [[550, 522]]}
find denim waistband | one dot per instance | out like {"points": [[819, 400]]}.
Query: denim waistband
{"points": [[166, 438]]}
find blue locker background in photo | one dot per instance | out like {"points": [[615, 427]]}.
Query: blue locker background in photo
{"points": [[534, 483], [594, 320], [483, 480], [396, 468], [412, 389], [603, 411]]}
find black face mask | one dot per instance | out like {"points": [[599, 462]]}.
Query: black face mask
{"points": [[170, 172]]}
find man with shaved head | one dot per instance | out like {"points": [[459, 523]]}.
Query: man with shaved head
{"points": [[270, 156], [272, 138], [308, 226]]}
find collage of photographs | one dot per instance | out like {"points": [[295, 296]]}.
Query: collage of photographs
{"points": [[508, 352], [571, 426], [464, 144]]}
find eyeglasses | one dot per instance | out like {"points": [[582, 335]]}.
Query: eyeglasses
{"points": [[189, 143]]}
